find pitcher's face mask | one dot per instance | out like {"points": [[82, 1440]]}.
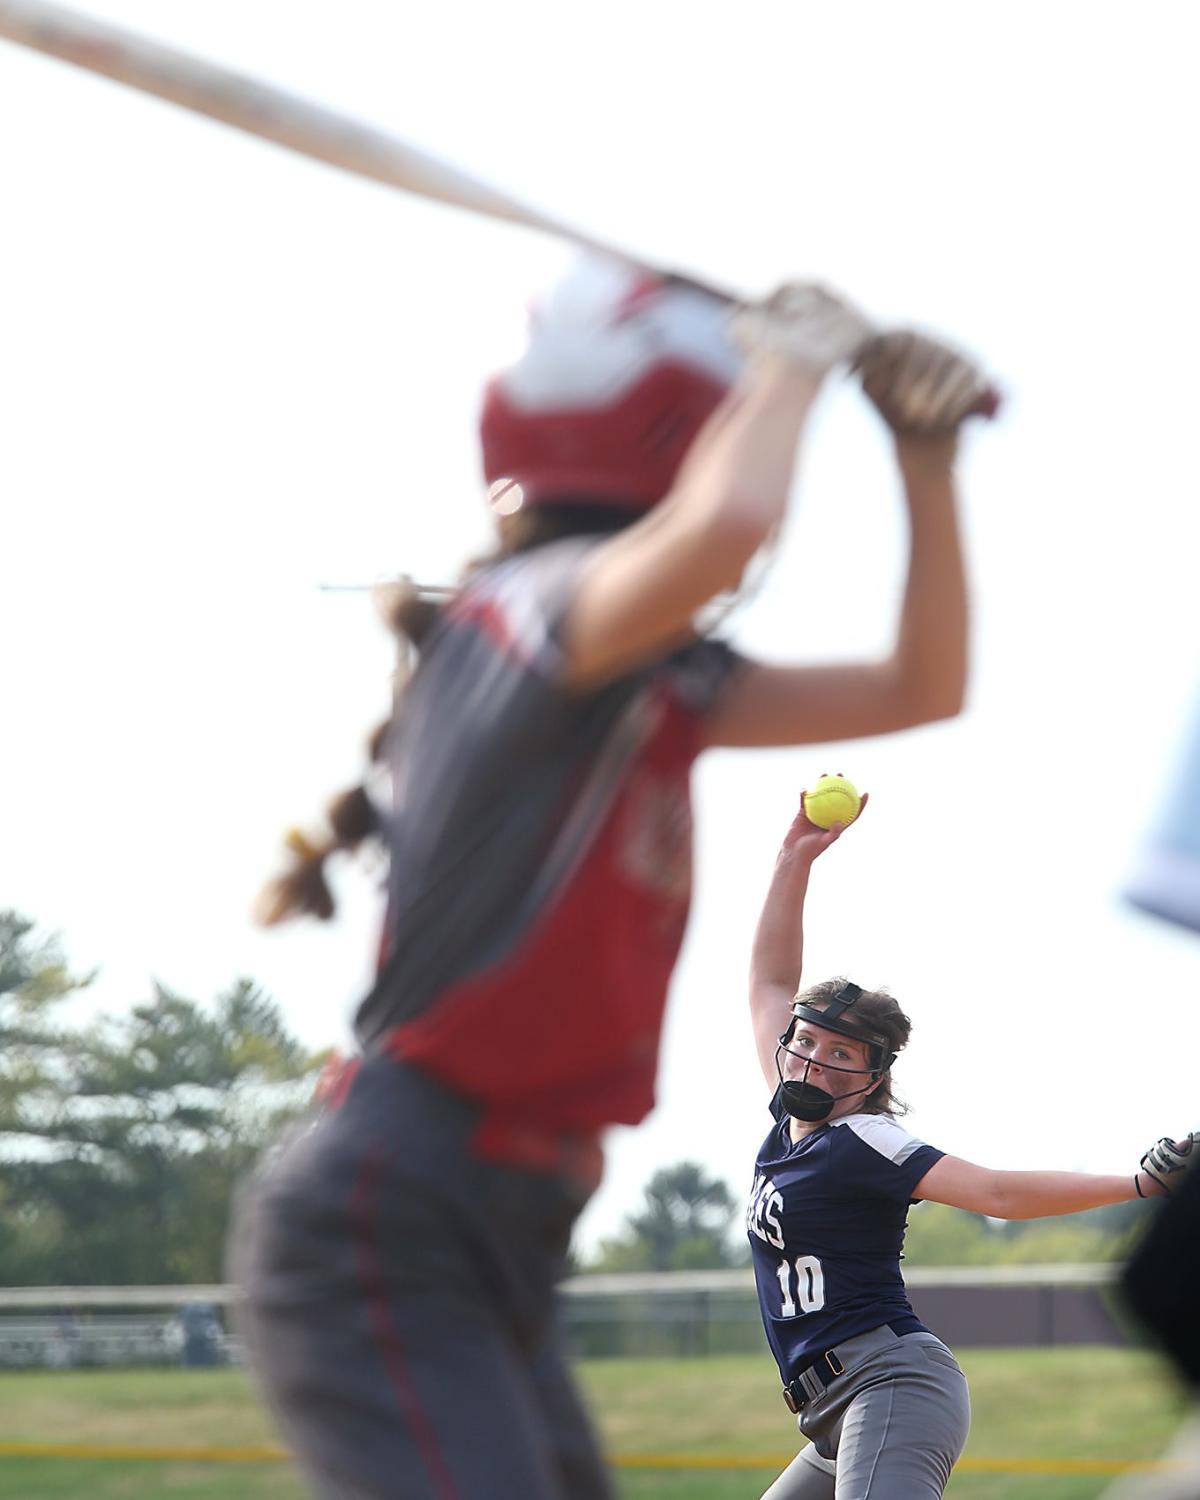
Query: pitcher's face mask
{"points": [[806, 1100]]}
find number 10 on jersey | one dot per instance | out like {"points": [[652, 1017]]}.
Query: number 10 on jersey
{"points": [[808, 1288]]}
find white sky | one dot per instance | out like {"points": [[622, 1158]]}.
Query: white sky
{"points": [[227, 373]]}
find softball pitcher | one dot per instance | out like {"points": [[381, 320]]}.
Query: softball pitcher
{"points": [[880, 1397]]}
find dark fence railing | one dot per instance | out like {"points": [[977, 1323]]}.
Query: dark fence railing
{"points": [[668, 1315]]}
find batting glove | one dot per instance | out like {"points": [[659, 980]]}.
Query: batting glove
{"points": [[1166, 1160], [921, 387], [807, 323]]}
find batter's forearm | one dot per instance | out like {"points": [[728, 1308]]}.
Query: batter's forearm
{"points": [[737, 477], [930, 660]]}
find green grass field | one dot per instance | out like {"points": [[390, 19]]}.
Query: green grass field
{"points": [[1052, 1404]]}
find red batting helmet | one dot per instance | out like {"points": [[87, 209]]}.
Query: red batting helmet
{"points": [[621, 371]]}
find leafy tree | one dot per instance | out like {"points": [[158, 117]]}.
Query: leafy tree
{"points": [[34, 983], [121, 1138], [941, 1236], [684, 1225]]}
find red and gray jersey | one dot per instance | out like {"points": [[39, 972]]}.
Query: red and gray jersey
{"points": [[540, 861]]}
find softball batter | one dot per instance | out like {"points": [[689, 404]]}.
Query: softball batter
{"points": [[399, 1256], [880, 1397]]}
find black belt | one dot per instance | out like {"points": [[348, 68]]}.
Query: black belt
{"points": [[811, 1382]]}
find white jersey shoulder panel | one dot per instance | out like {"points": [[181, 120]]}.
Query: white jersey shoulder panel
{"points": [[883, 1135]]}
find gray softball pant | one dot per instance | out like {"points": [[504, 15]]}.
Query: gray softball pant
{"points": [[399, 1305], [890, 1428]]}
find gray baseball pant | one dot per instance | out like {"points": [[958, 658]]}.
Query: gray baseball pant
{"points": [[890, 1428], [399, 1306]]}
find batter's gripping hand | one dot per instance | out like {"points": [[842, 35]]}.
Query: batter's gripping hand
{"points": [[807, 323], [1166, 1160], [920, 387]]}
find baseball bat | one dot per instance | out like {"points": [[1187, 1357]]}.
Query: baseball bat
{"points": [[276, 115]]}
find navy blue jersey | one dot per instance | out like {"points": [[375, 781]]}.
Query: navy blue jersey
{"points": [[826, 1221]]}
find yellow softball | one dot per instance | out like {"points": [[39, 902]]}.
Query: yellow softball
{"points": [[832, 800]]}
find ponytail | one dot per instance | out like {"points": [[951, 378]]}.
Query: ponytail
{"points": [[351, 817]]}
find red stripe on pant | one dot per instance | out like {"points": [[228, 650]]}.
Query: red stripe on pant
{"points": [[387, 1339]]}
